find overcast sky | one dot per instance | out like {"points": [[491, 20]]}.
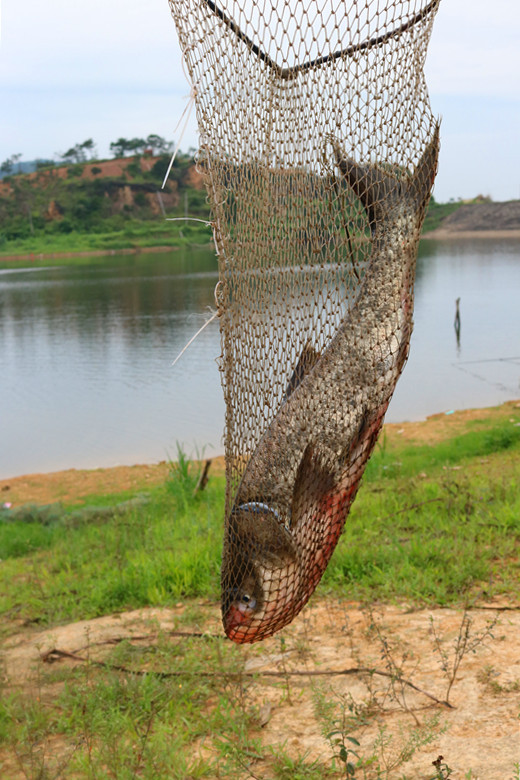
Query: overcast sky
{"points": [[109, 68]]}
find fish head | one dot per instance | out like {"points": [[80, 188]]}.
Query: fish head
{"points": [[256, 613], [259, 573], [244, 603]]}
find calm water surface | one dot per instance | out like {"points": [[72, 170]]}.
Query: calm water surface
{"points": [[86, 350]]}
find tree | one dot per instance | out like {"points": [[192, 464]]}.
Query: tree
{"points": [[78, 153], [120, 147], [7, 167], [89, 147], [157, 144], [137, 145]]}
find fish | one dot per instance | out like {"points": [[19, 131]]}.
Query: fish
{"points": [[299, 483]]}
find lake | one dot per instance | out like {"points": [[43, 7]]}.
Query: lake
{"points": [[86, 351]]}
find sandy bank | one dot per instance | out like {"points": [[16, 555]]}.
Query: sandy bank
{"points": [[442, 234], [74, 485]]}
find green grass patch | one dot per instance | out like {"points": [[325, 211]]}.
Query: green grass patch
{"points": [[102, 723], [431, 524], [134, 235], [73, 568]]}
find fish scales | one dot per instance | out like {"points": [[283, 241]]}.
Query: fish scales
{"points": [[300, 481]]}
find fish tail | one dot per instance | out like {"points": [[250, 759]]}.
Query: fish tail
{"points": [[379, 189]]}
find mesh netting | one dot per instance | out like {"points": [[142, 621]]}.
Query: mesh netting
{"points": [[319, 151]]}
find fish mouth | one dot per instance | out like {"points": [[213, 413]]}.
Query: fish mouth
{"points": [[252, 623], [237, 624]]}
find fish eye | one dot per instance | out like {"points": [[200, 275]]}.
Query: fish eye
{"points": [[248, 600]]}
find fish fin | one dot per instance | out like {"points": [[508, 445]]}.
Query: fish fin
{"points": [[371, 185], [259, 535], [313, 481], [307, 360], [378, 189], [425, 172], [363, 441]]}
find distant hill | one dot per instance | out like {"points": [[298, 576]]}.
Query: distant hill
{"points": [[119, 203], [28, 166], [98, 196], [478, 217]]}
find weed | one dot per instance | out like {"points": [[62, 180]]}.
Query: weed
{"points": [[392, 751], [442, 770], [487, 676], [285, 767], [395, 666], [465, 642], [184, 476], [387, 753], [340, 718]]}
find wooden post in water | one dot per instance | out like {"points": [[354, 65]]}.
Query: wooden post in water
{"points": [[456, 323]]}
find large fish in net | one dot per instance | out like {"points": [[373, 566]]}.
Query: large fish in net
{"points": [[319, 152]]}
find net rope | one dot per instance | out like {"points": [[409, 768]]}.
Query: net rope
{"points": [[319, 149]]}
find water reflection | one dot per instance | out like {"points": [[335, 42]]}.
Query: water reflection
{"points": [[86, 352], [482, 368]]}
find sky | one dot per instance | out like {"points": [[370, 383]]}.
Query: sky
{"points": [[110, 68]]}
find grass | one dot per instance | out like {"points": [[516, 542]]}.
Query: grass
{"points": [[131, 232], [150, 555], [435, 525], [134, 235], [430, 523], [102, 724]]}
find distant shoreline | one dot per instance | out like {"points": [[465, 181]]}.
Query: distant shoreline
{"points": [[439, 234], [72, 484], [137, 250]]}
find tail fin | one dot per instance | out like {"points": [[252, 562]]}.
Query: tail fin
{"points": [[425, 172], [378, 189]]}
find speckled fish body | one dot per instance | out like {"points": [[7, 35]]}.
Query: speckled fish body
{"points": [[299, 483]]}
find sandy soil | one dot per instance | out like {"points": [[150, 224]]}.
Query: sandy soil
{"points": [[480, 731], [73, 486]]}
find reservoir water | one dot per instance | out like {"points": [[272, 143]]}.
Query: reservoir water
{"points": [[86, 349]]}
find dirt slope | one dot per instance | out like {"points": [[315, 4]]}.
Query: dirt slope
{"points": [[482, 218]]}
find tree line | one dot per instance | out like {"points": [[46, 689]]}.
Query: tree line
{"points": [[87, 151]]}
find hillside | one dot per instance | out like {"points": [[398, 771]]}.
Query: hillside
{"points": [[118, 205], [74, 206], [480, 217]]}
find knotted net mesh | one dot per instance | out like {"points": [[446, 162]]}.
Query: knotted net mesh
{"points": [[319, 151]]}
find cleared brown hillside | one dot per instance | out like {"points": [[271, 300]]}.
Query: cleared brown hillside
{"points": [[480, 217]]}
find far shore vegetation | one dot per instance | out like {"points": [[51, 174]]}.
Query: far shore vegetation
{"points": [[81, 204], [84, 204]]}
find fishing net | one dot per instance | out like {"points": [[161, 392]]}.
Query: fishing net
{"points": [[319, 150]]}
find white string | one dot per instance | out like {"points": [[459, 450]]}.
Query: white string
{"points": [[186, 113], [191, 219], [190, 342]]}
